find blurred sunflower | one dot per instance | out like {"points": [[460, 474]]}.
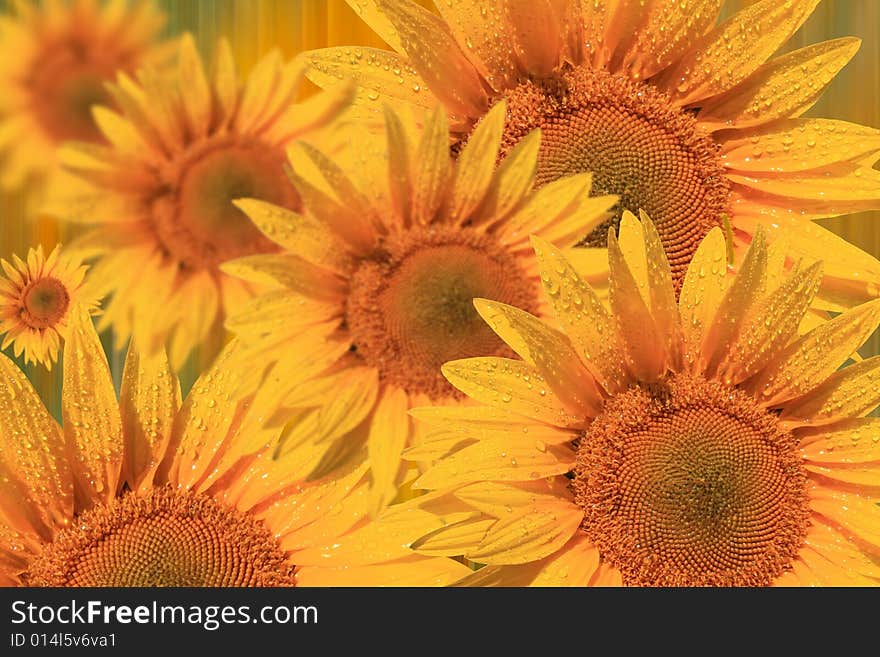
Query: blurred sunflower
{"points": [[36, 298], [674, 444], [159, 196], [148, 492], [691, 122], [64, 54], [374, 289]]}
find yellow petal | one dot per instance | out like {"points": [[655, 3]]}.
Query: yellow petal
{"points": [[483, 34], [852, 441], [454, 540], [548, 205], [297, 233], [735, 306], [225, 79], [731, 52], [433, 175], [851, 392], [798, 145], [513, 180], [293, 272], [645, 351], [839, 188], [784, 87], [92, 424], [498, 499], [409, 571], [551, 353], [536, 30], [202, 424], [770, 325], [528, 535], [811, 359], [854, 516], [149, 400], [631, 240], [197, 99], [373, 15], [389, 431], [661, 291], [432, 49], [475, 165], [316, 112], [37, 482], [587, 323], [830, 573], [498, 460], [665, 34], [399, 165], [380, 76], [833, 545]]}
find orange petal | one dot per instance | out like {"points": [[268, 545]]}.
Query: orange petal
{"points": [[855, 517], [536, 32], [513, 180], [475, 165], [434, 173], [409, 571]]}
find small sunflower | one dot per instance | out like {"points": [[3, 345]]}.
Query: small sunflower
{"points": [[692, 122], [59, 56], [373, 291], [147, 491], [695, 443], [158, 198], [36, 298]]}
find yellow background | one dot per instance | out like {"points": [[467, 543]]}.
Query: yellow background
{"points": [[256, 26]]}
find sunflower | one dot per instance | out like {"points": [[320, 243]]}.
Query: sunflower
{"points": [[691, 122], [65, 53], [158, 197], [373, 290], [663, 443], [36, 298], [147, 491]]}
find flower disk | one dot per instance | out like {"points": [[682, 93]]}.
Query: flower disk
{"points": [[412, 310], [635, 144], [687, 483], [162, 539]]}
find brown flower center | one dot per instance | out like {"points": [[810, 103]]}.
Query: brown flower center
{"points": [[165, 538], [411, 308], [689, 483], [44, 303], [67, 79], [636, 145], [195, 219]]}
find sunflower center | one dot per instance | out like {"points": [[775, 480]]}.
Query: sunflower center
{"points": [[45, 302], [165, 538], [689, 483], [196, 220], [635, 144], [410, 309], [65, 83]]}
